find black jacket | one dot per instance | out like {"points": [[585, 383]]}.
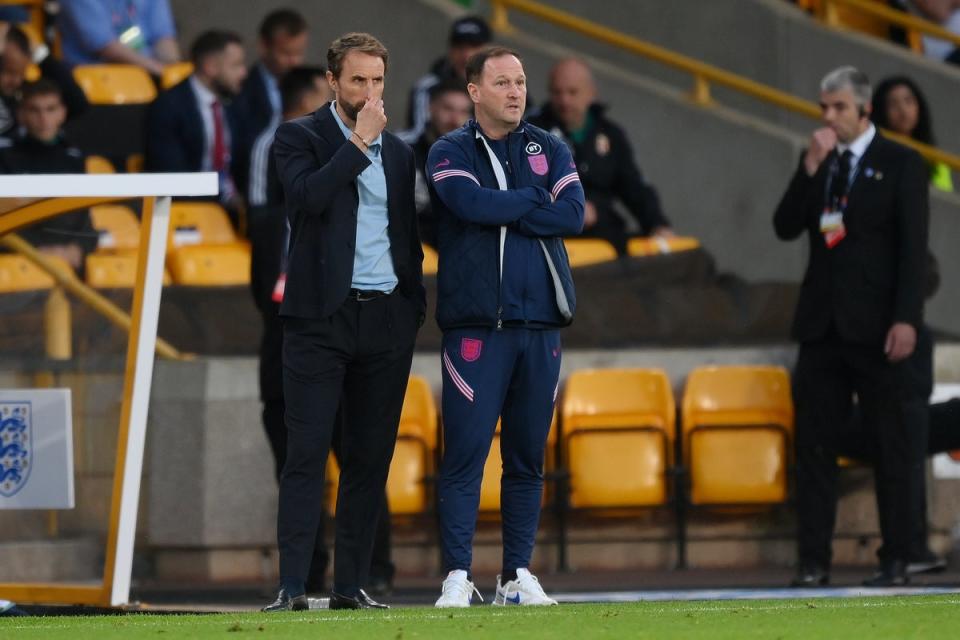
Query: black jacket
{"points": [[318, 169], [876, 275], [609, 174], [28, 155], [175, 139]]}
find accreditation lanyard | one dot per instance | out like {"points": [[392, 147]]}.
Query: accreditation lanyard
{"points": [[831, 220]]}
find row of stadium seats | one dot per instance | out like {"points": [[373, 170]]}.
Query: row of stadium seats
{"points": [[204, 250], [617, 447]]}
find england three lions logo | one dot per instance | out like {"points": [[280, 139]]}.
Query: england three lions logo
{"points": [[16, 450]]}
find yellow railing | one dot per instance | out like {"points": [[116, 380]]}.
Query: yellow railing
{"points": [[827, 10], [703, 74]]}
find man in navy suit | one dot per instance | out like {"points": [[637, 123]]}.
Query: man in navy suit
{"points": [[282, 45], [352, 305], [189, 127]]}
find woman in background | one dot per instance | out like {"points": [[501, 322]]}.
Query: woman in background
{"points": [[899, 105]]}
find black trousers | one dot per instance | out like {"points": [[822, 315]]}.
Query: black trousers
{"points": [[362, 354], [271, 394], [893, 403]]}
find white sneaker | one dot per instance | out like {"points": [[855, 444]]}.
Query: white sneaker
{"points": [[456, 591], [524, 591]]}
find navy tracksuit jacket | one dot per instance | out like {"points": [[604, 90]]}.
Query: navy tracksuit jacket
{"points": [[504, 289]]}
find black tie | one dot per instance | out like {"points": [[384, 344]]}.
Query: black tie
{"points": [[842, 179]]}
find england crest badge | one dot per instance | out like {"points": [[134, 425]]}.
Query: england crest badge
{"points": [[16, 446]]}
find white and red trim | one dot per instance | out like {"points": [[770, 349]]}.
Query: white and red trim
{"points": [[453, 173], [456, 378], [563, 182]]}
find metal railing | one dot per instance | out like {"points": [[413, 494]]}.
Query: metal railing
{"points": [[704, 75], [827, 11]]}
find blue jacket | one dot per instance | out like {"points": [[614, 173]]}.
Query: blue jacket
{"points": [[543, 202]]}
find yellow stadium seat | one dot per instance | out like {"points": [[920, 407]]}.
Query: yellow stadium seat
{"points": [[430, 260], [19, 274], [98, 164], [653, 246], [413, 457], [117, 225], [211, 265], [738, 430], [114, 270], [618, 430], [493, 469], [175, 73], [135, 163], [115, 83], [583, 252], [412, 462], [199, 223]]}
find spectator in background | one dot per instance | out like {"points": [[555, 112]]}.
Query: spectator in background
{"points": [[450, 108], [900, 106], [282, 45], [189, 127], [139, 32], [41, 148], [946, 13], [604, 159], [468, 35], [14, 63]]}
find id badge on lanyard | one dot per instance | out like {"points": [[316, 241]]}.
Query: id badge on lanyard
{"points": [[129, 31], [831, 220]]}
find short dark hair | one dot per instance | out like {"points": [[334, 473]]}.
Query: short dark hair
{"points": [[287, 21], [18, 38], [41, 87], [362, 42], [478, 60], [448, 85], [297, 82], [211, 43]]}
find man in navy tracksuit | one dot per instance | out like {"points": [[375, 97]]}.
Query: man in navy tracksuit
{"points": [[504, 192]]}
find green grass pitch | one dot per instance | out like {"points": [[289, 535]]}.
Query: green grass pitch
{"points": [[852, 618]]}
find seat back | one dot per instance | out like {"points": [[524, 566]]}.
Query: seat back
{"points": [[216, 265], [737, 429], [618, 428], [413, 455], [117, 225], [582, 252], [431, 260], [175, 74], [115, 83], [653, 246], [204, 223], [17, 273], [98, 164]]}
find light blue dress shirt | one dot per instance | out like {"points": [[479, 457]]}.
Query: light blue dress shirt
{"points": [[372, 262], [87, 26]]}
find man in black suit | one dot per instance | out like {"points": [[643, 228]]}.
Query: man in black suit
{"points": [[863, 202], [282, 45], [189, 127], [352, 305]]}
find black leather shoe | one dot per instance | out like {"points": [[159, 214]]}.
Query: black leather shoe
{"points": [[286, 603], [928, 562], [810, 575], [892, 573], [360, 601]]}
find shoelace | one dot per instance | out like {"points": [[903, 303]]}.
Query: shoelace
{"points": [[460, 587], [531, 583]]}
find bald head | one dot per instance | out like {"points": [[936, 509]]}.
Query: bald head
{"points": [[571, 92]]}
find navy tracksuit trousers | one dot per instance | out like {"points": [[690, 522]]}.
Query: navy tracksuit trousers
{"points": [[489, 374]]}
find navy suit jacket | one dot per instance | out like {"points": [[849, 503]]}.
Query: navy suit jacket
{"points": [[175, 137], [318, 169]]}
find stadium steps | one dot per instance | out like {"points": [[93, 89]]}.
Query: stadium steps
{"points": [[67, 559]]}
